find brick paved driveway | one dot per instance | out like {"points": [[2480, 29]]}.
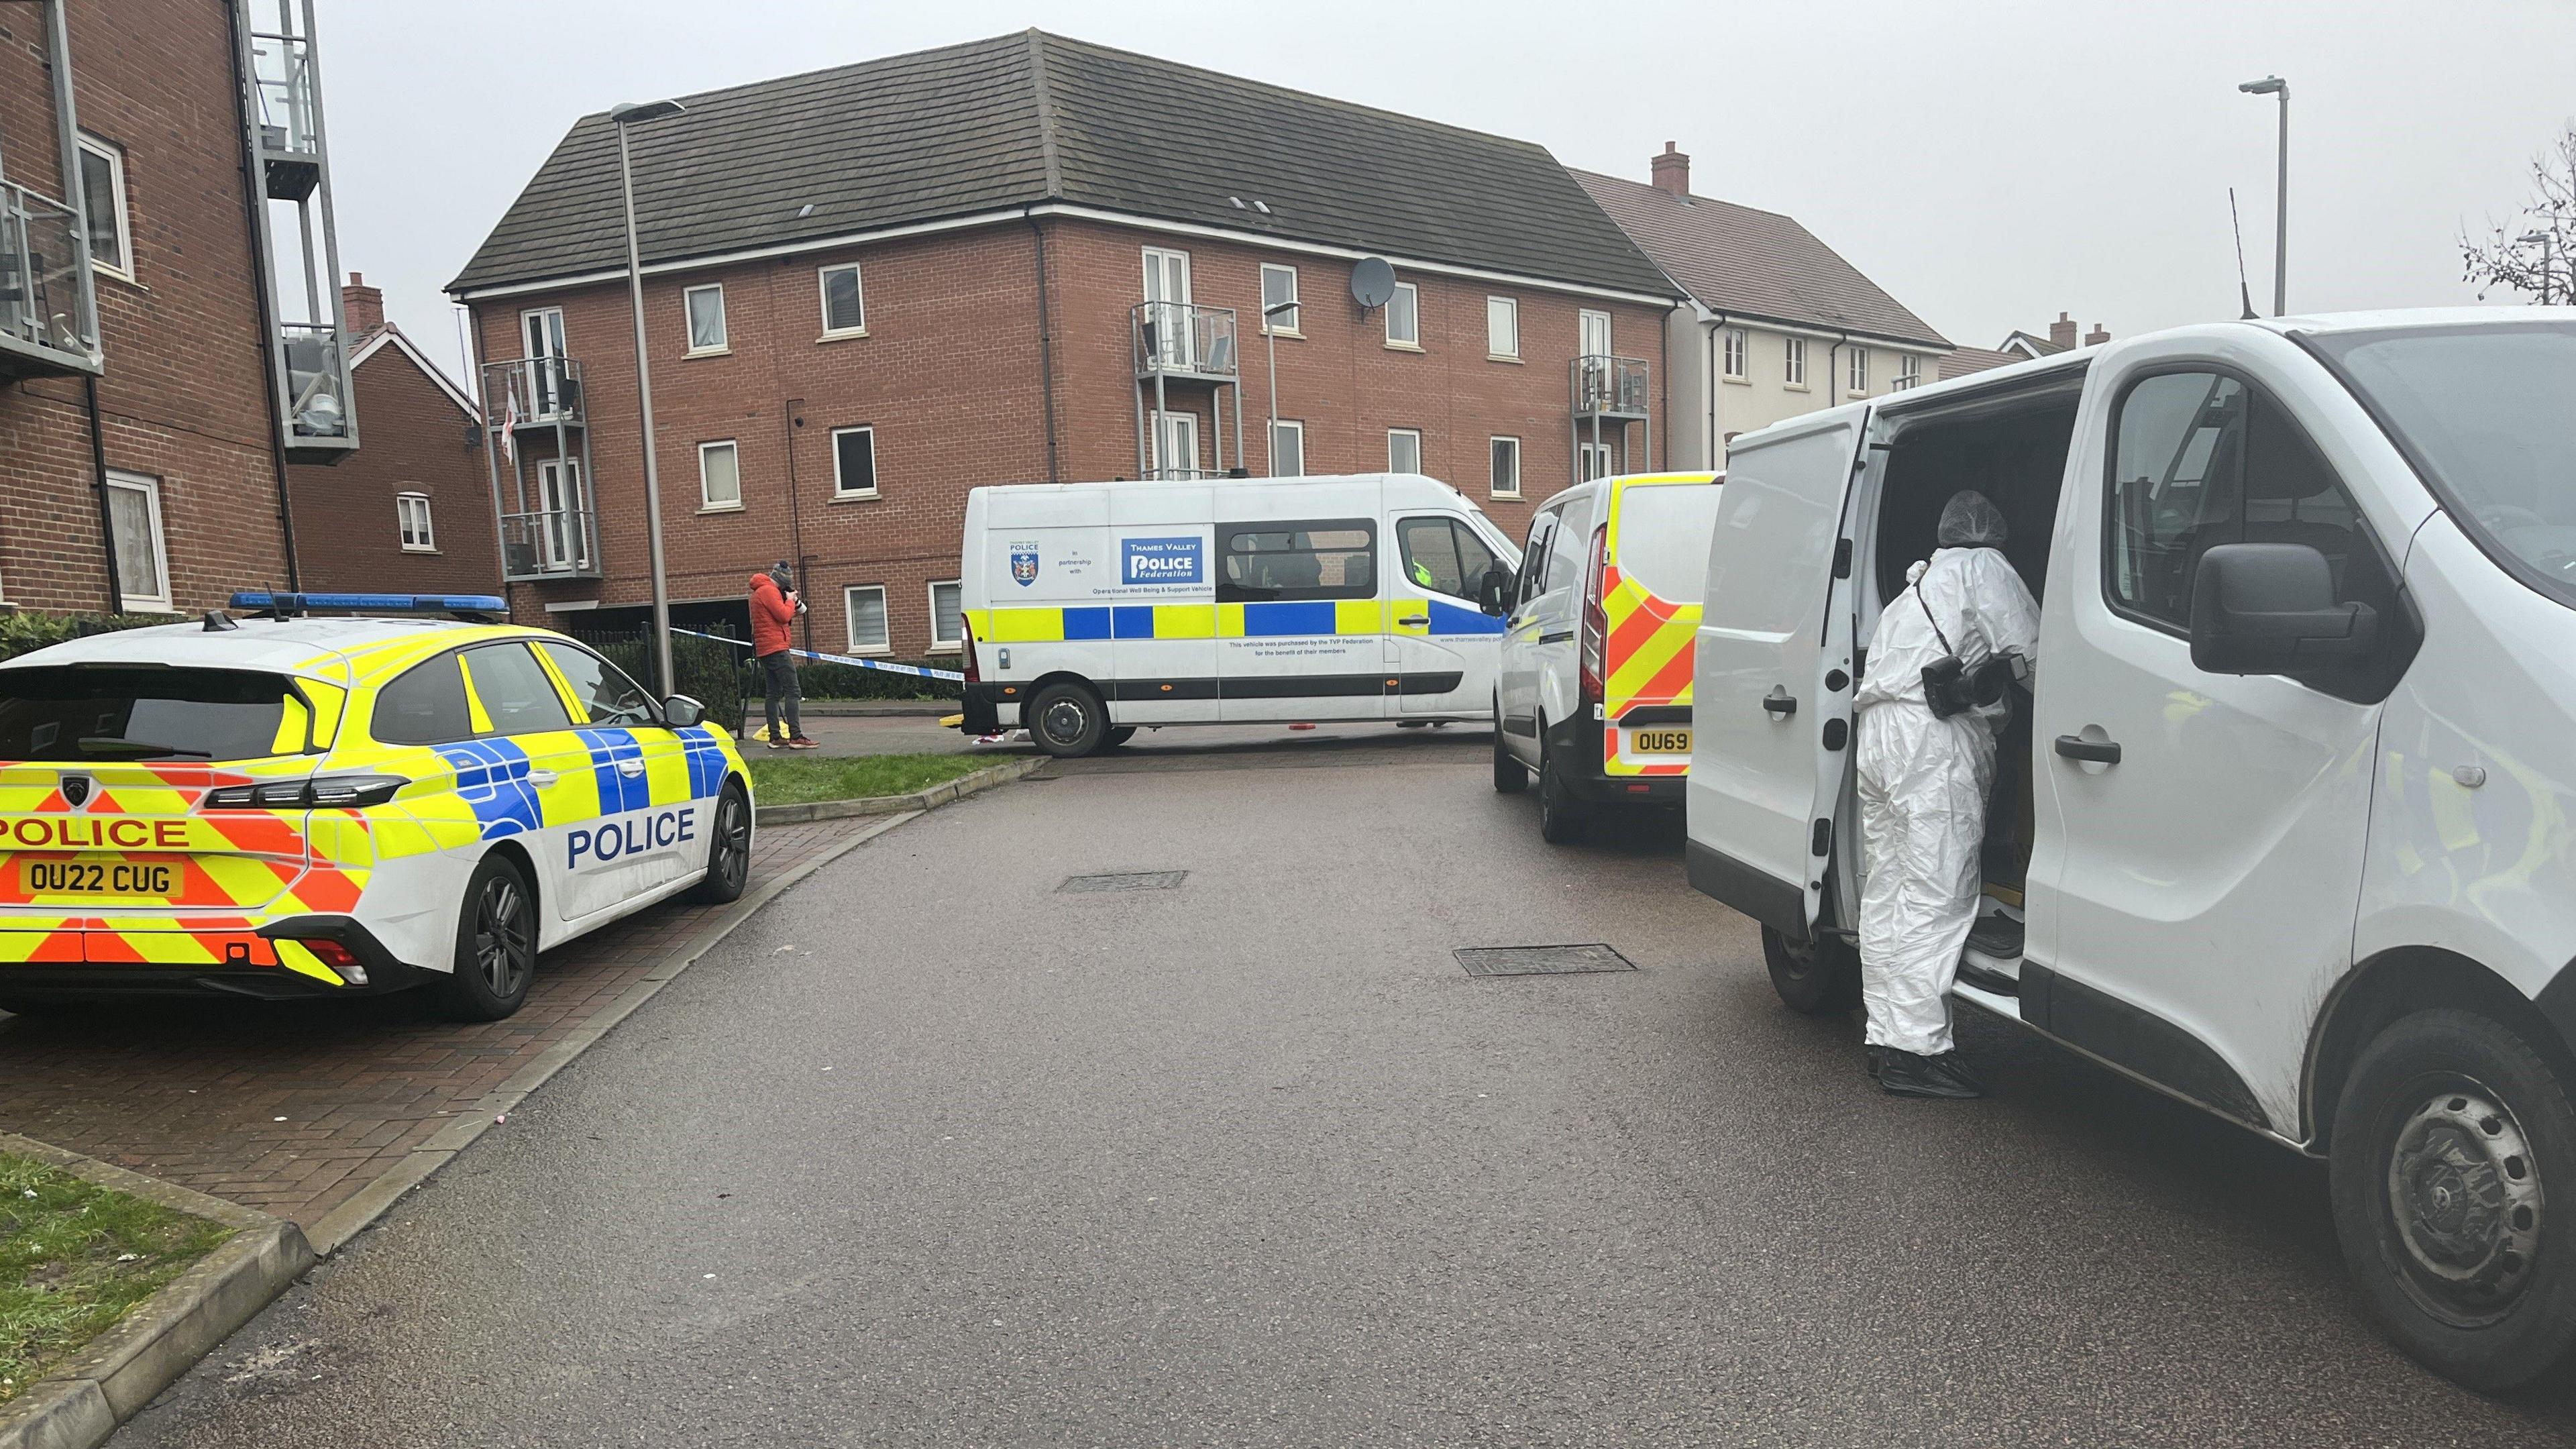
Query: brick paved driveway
{"points": [[293, 1107]]}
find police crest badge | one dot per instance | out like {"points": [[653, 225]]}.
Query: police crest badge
{"points": [[1024, 563]]}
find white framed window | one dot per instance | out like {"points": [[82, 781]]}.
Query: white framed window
{"points": [[542, 331], [1506, 478], [1279, 288], [866, 606], [1739, 346], [1909, 372], [1404, 316], [1592, 334], [1502, 328], [845, 309], [1859, 379], [1591, 460], [411, 519], [706, 318], [1793, 369], [719, 476], [1404, 450], [947, 622], [1176, 445], [854, 462], [1167, 293], [111, 229], [142, 553], [1287, 449]]}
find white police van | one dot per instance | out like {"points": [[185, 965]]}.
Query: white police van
{"points": [[2284, 831], [1094, 608]]}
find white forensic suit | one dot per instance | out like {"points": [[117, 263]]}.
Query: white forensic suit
{"points": [[1923, 786]]}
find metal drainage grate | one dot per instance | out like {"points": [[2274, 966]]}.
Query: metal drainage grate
{"points": [[1540, 960], [1133, 880]]}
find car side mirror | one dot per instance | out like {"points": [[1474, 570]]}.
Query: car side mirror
{"points": [[1494, 591], [681, 712], [2269, 608]]}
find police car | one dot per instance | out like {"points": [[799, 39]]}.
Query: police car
{"points": [[293, 804]]}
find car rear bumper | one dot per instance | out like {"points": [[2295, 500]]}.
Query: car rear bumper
{"points": [[267, 961]]}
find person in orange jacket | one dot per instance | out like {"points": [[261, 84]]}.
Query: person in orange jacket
{"points": [[774, 606]]}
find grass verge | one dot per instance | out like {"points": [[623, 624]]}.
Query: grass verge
{"points": [[803, 779], [73, 1257]]}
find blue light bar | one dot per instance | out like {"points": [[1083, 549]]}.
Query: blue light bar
{"points": [[373, 603]]}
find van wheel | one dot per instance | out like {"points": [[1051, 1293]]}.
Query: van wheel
{"points": [[728, 850], [1510, 776], [1119, 736], [1820, 977], [2444, 1135], [496, 945], [1561, 817], [1068, 720]]}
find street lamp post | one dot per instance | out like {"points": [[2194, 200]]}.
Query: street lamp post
{"points": [[2272, 85], [2548, 258], [625, 118], [1270, 340]]}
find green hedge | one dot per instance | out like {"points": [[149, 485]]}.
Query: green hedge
{"points": [[23, 632]]}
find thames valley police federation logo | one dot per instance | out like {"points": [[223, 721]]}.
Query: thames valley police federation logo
{"points": [[1024, 563]]}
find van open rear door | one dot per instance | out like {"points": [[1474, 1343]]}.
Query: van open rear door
{"points": [[1773, 678]]}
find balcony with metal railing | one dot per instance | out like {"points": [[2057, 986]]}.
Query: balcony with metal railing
{"points": [[286, 111], [1611, 387], [48, 316], [317, 383], [1183, 342], [528, 392], [556, 543]]}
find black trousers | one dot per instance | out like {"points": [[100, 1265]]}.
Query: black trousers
{"points": [[784, 692]]}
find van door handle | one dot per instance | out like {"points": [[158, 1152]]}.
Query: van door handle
{"points": [[1413, 618], [1780, 702], [2097, 752]]}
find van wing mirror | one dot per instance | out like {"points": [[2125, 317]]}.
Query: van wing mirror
{"points": [[1494, 590], [2270, 608]]}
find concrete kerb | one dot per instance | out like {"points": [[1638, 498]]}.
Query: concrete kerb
{"points": [[81, 1401], [964, 785], [371, 1202]]}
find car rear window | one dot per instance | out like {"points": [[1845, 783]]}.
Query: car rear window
{"points": [[1663, 538], [144, 712]]}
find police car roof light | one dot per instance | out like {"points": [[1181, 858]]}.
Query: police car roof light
{"points": [[286, 606]]}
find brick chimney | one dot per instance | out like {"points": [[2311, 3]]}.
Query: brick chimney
{"points": [[2061, 333], [2099, 335], [1672, 171], [363, 306]]}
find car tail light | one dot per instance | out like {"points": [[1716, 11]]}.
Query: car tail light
{"points": [[966, 636], [322, 792], [1595, 623], [336, 956]]}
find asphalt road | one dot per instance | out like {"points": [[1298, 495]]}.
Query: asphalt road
{"points": [[933, 1153]]}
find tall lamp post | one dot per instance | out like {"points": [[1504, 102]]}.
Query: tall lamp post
{"points": [[626, 118], [2548, 258], [1270, 339], [2272, 85]]}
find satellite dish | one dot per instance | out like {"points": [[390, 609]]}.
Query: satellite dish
{"points": [[1372, 282]]}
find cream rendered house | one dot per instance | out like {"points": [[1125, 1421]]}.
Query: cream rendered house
{"points": [[1777, 323]]}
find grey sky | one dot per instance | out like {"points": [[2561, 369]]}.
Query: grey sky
{"points": [[1990, 164]]}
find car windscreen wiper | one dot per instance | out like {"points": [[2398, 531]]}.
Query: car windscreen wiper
{"points": [[140, 747]]}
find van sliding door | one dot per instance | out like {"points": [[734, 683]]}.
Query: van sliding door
{"points": [[1773, 680]]}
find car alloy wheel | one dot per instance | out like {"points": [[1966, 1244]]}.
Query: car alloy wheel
{"points": [[732, 843], [504, 945]]}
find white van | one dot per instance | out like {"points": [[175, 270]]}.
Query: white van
{"points": [[2290, 823], [1595, 695], [1095, 608]]}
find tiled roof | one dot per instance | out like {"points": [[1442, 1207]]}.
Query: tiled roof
{"points": [[1759, 265], [1031, 118], [1959, 362]]}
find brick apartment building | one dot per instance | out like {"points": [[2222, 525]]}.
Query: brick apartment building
{"points": [[1024, 259], [162, 163], [410, 512]]}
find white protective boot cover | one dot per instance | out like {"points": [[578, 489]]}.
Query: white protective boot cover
{"points": [[1923, 784]]}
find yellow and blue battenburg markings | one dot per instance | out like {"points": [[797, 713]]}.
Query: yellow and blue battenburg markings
{"points": [[1305, 618], [492, 778]]}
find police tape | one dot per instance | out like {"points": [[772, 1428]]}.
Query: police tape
{"points": [[878, 664]]}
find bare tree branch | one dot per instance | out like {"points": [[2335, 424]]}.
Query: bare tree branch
{"points": [[2534, 253]]}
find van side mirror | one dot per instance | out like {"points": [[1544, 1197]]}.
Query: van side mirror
{"points": [[1494, 591], [2269, 608], [681, 712]]}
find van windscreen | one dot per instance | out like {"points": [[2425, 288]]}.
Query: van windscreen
{"points": [[1663, 538], [118, 712]]}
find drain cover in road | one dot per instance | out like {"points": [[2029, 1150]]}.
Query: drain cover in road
{"points": [[1540, 960], [1133, 880]]}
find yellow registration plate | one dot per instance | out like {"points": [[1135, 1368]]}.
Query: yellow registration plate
{"points": [[1659, 742], [97, 878]]}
